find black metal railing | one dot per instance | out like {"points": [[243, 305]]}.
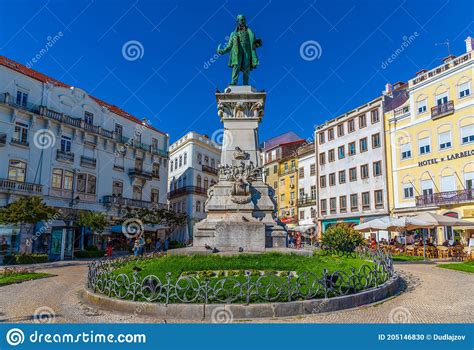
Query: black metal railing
{"points": [[209, 169], [88, 161], [448, 197], [442, 110], [3, 139], [306, 200], [62, 155], [140, 173], [20, 142], [130, 202], [186, 190]]}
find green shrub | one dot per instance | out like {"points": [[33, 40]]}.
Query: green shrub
{"points": [[92, 248], [18, 259], [176, 244], [342, 238], [80, 254]]}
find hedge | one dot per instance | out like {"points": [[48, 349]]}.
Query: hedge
{"points": [[89, 254], [18, 259]]}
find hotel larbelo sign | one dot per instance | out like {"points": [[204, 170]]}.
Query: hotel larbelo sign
{"points": [[448, 157]]}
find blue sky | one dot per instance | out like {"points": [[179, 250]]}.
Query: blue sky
{"points": [[174, 81]]}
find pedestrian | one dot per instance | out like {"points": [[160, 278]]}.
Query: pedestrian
{"points": [[141, 243], [167, 243], [109, 247], [159, 245], [298, 240], [136, 247]]}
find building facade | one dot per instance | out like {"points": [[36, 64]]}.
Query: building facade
{"points": [[430, 140], [194, 162], [307, 191], [288, 190], [76, 152], [351, 169]]}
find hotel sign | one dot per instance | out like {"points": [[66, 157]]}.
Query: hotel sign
{"points": [[448, 157]]}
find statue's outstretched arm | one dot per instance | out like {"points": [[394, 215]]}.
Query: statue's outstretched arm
{"points": [[227, 47]]}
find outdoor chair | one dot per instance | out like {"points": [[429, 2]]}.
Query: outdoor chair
{"points": [[443, 252]]}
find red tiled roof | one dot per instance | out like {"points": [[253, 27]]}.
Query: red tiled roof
{"points": [[286, 138], [4, 61]]}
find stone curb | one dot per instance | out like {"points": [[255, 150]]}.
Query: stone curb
{"points": [[205, 312]]}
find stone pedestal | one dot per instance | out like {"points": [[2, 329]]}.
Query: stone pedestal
{"points": [[240, 209]]}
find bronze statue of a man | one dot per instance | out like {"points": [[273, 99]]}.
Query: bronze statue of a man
{"points": [[242, 46]]}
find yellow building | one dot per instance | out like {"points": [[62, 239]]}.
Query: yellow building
{"points": [[429, 126], [288, 189]]}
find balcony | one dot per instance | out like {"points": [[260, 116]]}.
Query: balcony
{"points": [[209, 169], [400, 111], [306, 200], [129, 202], [136, 172], [88, 161], [19, 142], [9, 100], [3, 139], [25, 187], [442, 110], [187, 190], [445, 198], [159, 152], [64, 156]]}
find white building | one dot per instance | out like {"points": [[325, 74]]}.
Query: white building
{"points": [[307, 191], [194, 160], [352, 179], [76, 152]]}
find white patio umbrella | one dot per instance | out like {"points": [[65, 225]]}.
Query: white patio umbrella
{"points": [[437, 220], [372, 225]]}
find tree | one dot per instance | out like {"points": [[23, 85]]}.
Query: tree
{"points": [[27, 211], [94, 220], [342, 237]]}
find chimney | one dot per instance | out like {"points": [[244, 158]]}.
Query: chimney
{"points": [[388, 88], [469, 44]]}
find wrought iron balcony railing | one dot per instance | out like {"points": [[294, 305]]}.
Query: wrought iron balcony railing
{"points": [[15, 186], [187, 190], [139, 173], [442, 110], [88, 161], [443, 198], [20, 142], [209, 169], [67, 156], [306, 200], [130, 202]]}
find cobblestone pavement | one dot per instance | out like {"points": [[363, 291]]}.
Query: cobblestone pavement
{"points": [[432, 295]]}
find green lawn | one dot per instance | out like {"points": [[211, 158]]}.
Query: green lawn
{"points": [[403, 257], [465, 266], [21, 277], [177, 264]]}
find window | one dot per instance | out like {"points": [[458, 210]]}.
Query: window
{"points": [[154, 196], [292, 196], [341, 152], [323, 206], [65, 144], [427, 188], [180, 161], [322, 181], [313, 192], [118, 129], [198, 181], [342, 204], [313, 213], [199, 158], [301, 172], [364, 171], [377, 168], [275, 169], [354, 202], [185, 158], [353, 174], [442, 99], [282, 182], [331, 157], [332, 205], [378, 198], [340, 130], [137, 195], [342, 176], [68, 180], [275, 185], [312, 169], [330, 134], [301, 192], [469, 180], [267, 171], [171, 165], [406, 151], [464, 89], [293, 165], [206, 183], [374, 116], [282, 197], [351, 125], [421, 106], [117, 188], [351, 148], [448, 183], [198, 206], [17, 171], [445, 140], [292, 181], [286, 167], [88, 118], [365, 200], [139, 164], [81, 182], [408, 191], [154, 145], [321, 138], [155, 170], [21, 133], [363, 145], [376, 140], [91, 184], [424, 145], [21, 98], [57, 181], [332, 179], [362, 121], [467, 134], [301, 215], [322, 158], [176, 163]]}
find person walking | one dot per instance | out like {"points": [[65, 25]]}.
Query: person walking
{"points": [[142, 245], [109, 247], [136, 247]]}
